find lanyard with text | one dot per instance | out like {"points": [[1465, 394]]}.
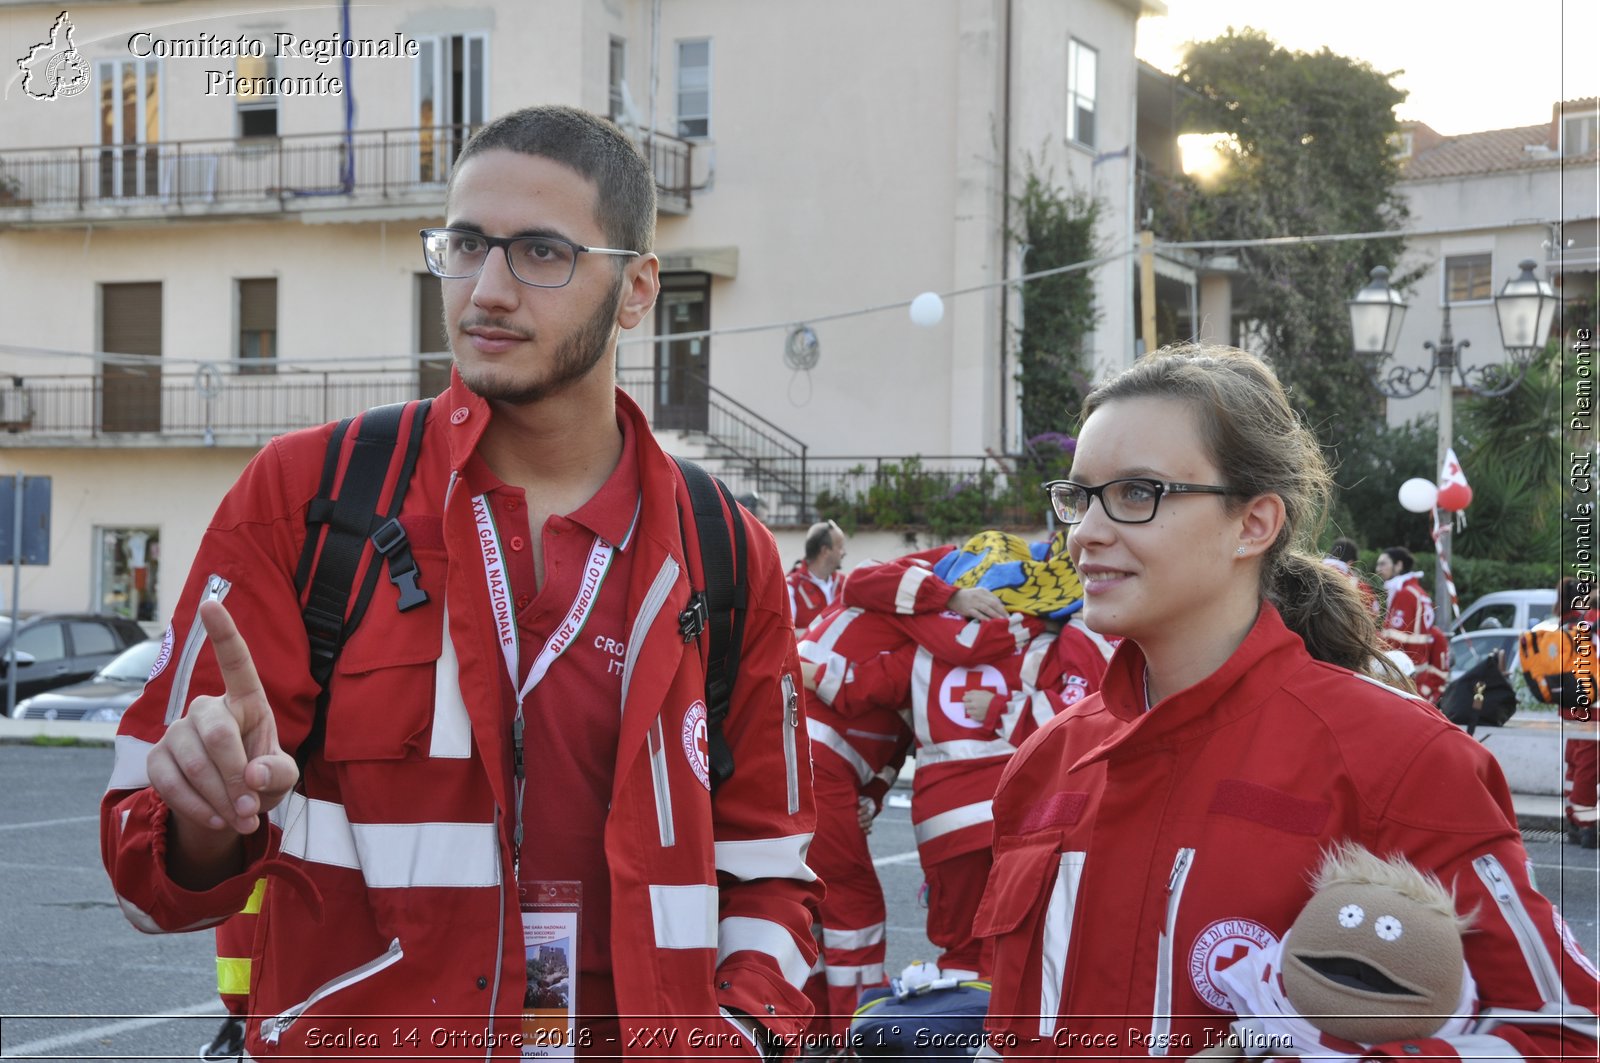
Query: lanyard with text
{"points": [[505, 624]]}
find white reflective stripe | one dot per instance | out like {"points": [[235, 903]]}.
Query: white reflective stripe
{"points": [[1104, 644], [1481, 1048], [1057, 939], [818, 649], [905, 596], [766, 858], [1541, 966], [834, 675], [145, 924], [743, 934], [968, 633], [866, 937], [963, 749], [1574, 1017], [825, 735], [1008, 719], [1042, 709], [129, 769], [390, 855], [888, 775], [452, 729], [1034, 658], [1019, 629], [979, 812], [863, 975], [684, 917], [921, 680]]}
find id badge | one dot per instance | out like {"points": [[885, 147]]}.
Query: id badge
{"points": [[550, 913]]}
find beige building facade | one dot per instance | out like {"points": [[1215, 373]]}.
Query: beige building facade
{"points": [[256, 252]]}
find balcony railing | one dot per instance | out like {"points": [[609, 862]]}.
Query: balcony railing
{"points": [[294, 172]]}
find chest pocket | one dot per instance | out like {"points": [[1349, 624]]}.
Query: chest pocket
{"points": [[382, 692]]}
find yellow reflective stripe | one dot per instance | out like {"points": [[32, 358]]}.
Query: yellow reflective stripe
{"points": [[253, 905], [233, 976]]}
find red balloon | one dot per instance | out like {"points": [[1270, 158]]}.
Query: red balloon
{"points": [[1455, 497]]}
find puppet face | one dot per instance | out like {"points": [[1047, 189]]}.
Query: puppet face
{"points": [[1369, 965]]}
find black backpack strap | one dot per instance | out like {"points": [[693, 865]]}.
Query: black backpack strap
{"points": [[719, 609], [352, 520]]}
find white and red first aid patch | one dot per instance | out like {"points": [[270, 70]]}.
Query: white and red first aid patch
{"points": [[696, 743], [1220, 946], [164, 656]]}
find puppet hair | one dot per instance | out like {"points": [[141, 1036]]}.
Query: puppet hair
{"points": [[1351, 864]]}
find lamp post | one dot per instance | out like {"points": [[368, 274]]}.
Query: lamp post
{"points": [[1525, 309]]}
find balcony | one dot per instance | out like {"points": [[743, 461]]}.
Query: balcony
{"points": [[383, 173]]}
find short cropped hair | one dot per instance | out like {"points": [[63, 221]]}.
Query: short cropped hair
{"points": [[1344, 550], [595, 148], [818, 536], [1402, 557]]}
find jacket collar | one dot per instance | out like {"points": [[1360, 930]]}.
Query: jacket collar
{"points": [[1267, 657]]}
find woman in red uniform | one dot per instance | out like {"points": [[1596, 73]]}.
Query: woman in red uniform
{"points": [[1165, 828]]}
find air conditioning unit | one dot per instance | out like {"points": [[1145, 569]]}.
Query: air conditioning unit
{"points": [[16, 409]]}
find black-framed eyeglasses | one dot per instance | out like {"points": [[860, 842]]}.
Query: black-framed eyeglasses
{"points": [[1132, 500], [541, 261]]}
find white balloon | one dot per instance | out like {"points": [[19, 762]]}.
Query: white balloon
{"points": [[927, 309], [1418, 495]]}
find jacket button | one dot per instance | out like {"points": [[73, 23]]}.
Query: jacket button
{"points": [[724, 985], [459, 415], [483, 983], [517, 543], [771, 1010], [1412, 1050]]}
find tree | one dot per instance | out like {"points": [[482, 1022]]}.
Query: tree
{"points": [[1058, 311], [1310, 155]]}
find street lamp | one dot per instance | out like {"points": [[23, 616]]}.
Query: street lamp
{"points": [[1525, 308]]}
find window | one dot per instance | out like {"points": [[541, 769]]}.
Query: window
{"points": [[618, 74], [694, 88], [1578, 134], [45, 641], [452, 83], [258, 111], [1083, 71], [128, 571], [89, 638], [258, 325], [130, 124], [1467, 279]]}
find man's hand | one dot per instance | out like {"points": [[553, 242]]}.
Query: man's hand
{"points": [[978, 703], [219, 768], [866, 812], [977, 603]]}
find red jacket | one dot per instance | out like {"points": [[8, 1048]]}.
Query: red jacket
{"points": [[391, 866], [809, 596], [1137, 853]]}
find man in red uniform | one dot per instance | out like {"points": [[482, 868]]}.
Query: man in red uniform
{"points": [[534, 732], [1408, 623], [814, 582]]}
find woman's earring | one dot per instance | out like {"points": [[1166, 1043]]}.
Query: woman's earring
{"points": [[1240, 551]]}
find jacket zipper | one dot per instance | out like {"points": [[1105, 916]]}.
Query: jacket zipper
{"points": [[791, 724], [1161, 1020], [216, 589], [1516, 916], [273, 1028], [656, 739], [654, 599]]}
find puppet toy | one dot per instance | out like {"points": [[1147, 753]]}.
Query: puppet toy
{"points": [[1374, 956]]}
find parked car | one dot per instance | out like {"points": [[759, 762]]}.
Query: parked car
{"points": [[53, 649], [103, 697], [1517, 610]]}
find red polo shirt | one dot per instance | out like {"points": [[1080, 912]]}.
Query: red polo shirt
{"points": [[573, 717]]}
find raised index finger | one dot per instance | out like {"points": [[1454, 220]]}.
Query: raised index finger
{"points": [[239, 678]]}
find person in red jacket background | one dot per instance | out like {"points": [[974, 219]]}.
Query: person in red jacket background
{"points": [[1408, 622], [814, 581], [1168, 827]]}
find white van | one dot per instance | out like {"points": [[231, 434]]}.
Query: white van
{"points": [[1515, 610]]}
